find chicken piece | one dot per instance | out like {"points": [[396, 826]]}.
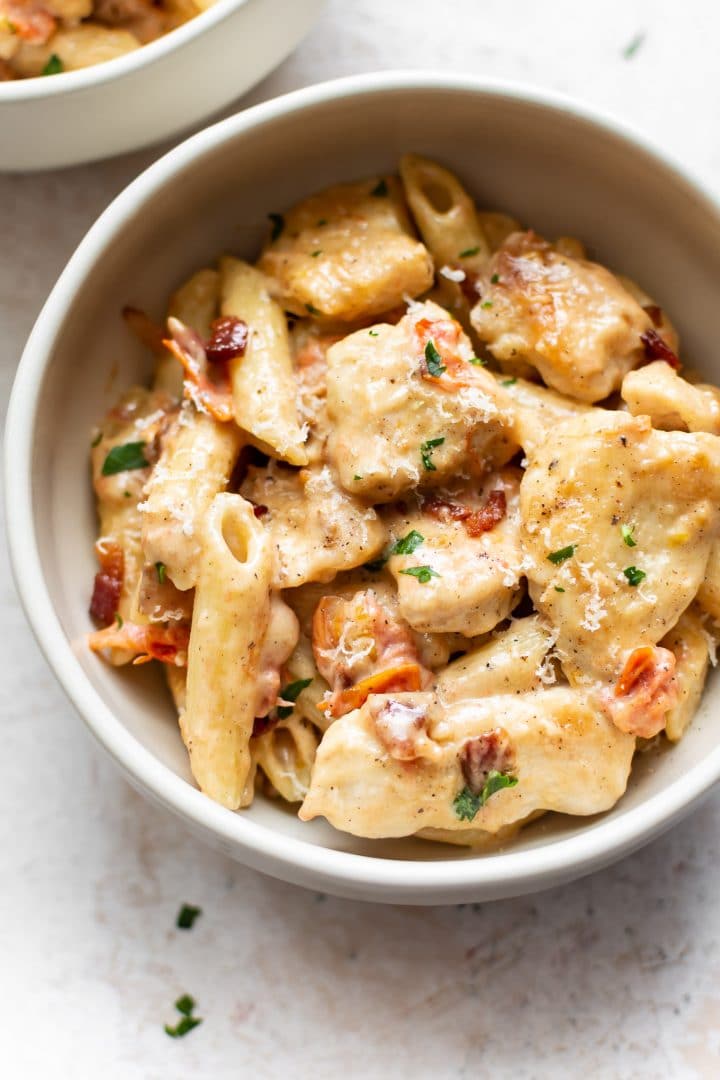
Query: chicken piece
{"points": [[310, 348], [659, 317], [76, 47], [403, 763], [457, 560], [538, 411], [672, 404], [569, 318], [618, 522], [360, 649], [409, 409], [347, 253], [317, 529], [693, 646], [513, 661]]}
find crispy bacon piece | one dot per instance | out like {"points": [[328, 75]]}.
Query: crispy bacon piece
{"points": [[152, 642], [644, 693], [486, 752], [362, 649], [395, 680], [402, 729], [145, 329], [29, 20], [228, 340], [108, 581], [657, 349], [476, 522], [210, 388]]}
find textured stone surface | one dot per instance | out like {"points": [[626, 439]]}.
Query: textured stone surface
{"points": [[615, 976]]}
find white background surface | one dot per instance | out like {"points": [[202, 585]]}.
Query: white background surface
{"points": [[615, 976]]}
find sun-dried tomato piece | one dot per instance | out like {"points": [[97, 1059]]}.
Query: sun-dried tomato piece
{"points": [[658, 349], [488, 516], [644, 693], [228, 339], [149, 642], [491, 751], [108, 581]]}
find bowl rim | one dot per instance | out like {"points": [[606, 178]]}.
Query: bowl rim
{"points": [[293, 858], [68, 82]]}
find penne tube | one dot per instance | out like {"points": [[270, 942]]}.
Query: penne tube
{"points": [[445, 214]]}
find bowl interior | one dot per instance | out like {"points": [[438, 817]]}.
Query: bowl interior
{"points": [[554, 170]]}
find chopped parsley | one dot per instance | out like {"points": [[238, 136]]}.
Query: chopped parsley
{"points": [[130, 455], [634, 575], [433, 359], [478, 361], [380, 189], [486, 304], [627, 535], [186, 916], [291, 692], [185, 1006], [278, 224], [160, 570], [312, 309], [494, 279], [509, 382], [422, 573], [426, 450], [468, 252], [632, 47], [466, 804], [127, 495], [119, 620], [321, 221], [408, 543], [559, 588], [54, 66], [562, 554], [374, 333], [96, 440], [316, 253], [357, 476]]}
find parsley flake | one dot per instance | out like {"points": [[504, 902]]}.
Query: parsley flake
{"points": [[478, 361], [374, 333], [186, 916], [160, 570], [632, 47], [380, 189], [494, 279], [312, 309], [426, 450], [486, 304], [562, 554], [422, 573], [124, 458], [291, 692], [357, 476], [278, 224], [433, 360], [468, 253], [634, 575], [185, 1006], [509, 382], [321, 221], [627, 535], [559, 588], [54, 66], [119, 620], [466, 804], [408, 543], [316, 253]]}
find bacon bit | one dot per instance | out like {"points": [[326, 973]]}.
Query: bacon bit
{"points": [[445, 335], [657, 349], [30, 21], [655, 314], [210, 394], [260, 510], [487, 517], [166, 643], [228, 340], [645, 692], [108, 581], [401, 729], [476, 522], [397, 680], [145, 329], [479, 756]]}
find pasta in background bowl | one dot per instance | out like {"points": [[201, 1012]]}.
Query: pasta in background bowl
{"points": [[222, 185]]}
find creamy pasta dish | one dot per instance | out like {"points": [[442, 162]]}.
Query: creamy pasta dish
{"points": [[47, 37], [420, 516]]}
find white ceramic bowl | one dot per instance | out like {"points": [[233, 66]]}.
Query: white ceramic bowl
{"points": [[547, 160], [152, 93]]}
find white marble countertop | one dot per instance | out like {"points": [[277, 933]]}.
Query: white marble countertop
{"points": [[615, 976]]}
